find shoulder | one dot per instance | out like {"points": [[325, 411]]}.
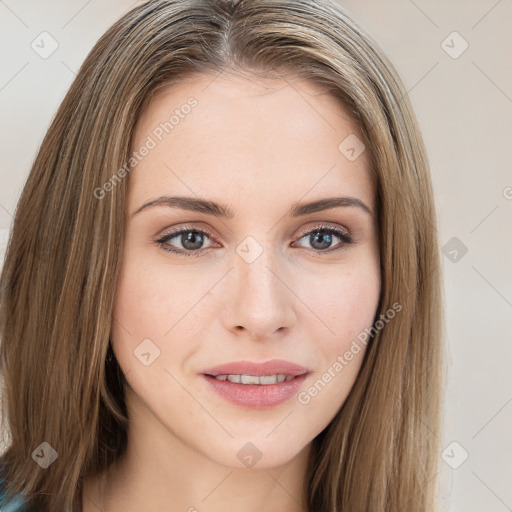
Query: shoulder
{"points": [[16, 504]]}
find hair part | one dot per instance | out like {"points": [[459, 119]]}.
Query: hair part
{"points": [[380, 452]]}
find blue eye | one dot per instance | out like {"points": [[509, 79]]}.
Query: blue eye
{"points": [[322, 238], [192, 240]]}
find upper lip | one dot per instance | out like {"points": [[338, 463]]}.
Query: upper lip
{"points": [[272, 367]]}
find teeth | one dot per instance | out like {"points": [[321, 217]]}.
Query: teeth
{"points": [[254, 379]]}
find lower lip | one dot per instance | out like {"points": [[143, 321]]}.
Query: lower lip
{"points": [[256, 396]]}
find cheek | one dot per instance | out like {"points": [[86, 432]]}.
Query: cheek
{"points": [[346, 307], [164, 304], [150, 301], [345, 302], [151, 298]]}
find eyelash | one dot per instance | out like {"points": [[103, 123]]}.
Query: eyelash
{"points": [[162, 242]]}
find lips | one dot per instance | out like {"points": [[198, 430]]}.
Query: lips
{"points": [[272, 367], [230, 381]]}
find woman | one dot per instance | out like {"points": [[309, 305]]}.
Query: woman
{"points": [[222, 285]]}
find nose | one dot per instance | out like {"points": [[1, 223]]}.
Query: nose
{"points": [[259, 297]]}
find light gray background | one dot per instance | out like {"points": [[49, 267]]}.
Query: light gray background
{"points": [[464, 106]]}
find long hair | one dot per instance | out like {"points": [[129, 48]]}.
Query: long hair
{"points": [[380, 451]]}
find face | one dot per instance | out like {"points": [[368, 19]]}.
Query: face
{"points": [[255, 278]]}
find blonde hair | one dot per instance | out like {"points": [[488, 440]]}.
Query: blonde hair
{"points": [[380, 452]]}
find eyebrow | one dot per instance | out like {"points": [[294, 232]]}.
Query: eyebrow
{"points": [[223, 211]]}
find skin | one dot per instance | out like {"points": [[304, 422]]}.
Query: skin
{"points": [[257, 146]]}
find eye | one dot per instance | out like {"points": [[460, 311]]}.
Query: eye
{"points": [[321, 239], [190, 241]]}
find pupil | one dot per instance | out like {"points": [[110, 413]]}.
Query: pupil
{"points": [[324, 239], [191, 240]]}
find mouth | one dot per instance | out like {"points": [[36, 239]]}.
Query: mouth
{"points": [[262, 390], [253, 372], [256, 385], [257, 380]]}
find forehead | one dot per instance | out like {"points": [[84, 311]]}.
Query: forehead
{"points": [[247, 134]]}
